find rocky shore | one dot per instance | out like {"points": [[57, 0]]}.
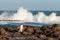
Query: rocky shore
{"points": [[31, 33]]}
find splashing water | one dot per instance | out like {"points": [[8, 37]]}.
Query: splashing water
{"points": [[23, 14]]}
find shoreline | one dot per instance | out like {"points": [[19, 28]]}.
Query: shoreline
{"points": [[31, 33]]}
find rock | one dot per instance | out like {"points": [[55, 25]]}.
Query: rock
{"points": [[30, 29], [58, 37], [46, 32], [57, 28], [10, 29], [3, 31], [15, 29], [17, 34], [56, 33], [38, 30], [56, 25], [42, 36], [2, 37], [49, 38], [27, 33]]}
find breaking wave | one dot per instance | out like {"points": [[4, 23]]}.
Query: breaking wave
{"points": [[26, 16]]}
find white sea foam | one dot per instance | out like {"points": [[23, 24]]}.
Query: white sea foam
{"points": [[23, 14]]}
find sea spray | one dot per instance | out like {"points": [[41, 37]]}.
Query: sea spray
{"points": [[23, 14], [26, 16], [40, 17], [4, 16]]}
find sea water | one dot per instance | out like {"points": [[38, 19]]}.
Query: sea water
{"points": [[29, 17], [28, 23]]}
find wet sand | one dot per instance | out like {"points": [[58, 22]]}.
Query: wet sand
{"points": [[31, 33]]}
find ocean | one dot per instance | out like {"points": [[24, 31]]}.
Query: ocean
{"points": [[33, 12], [30, 24], [28, 17]]}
